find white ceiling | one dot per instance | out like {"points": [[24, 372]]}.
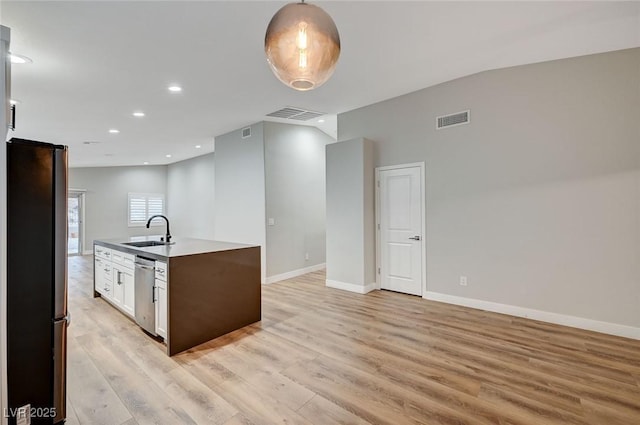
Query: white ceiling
{"points": [[94, 63]]}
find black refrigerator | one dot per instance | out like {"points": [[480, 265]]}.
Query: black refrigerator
{"points": [[36, 281]]}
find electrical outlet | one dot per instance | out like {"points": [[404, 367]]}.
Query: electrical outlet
{"points": [[463, 280], [306, 256], [271, 221]]}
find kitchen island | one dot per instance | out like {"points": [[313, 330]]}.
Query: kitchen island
{"points": [[204, 289]]}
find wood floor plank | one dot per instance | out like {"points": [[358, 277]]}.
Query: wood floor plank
{"points": [[319, 410], [575, 374], [368, 355], [325, 356], [599, 414], [200, 402], [92, 398], [257, 406], [593, 366], [497, 371], [205, 368], [72, 417], [146, 402], [239, 419], [264, 376], [366, 396], [510, 402]]}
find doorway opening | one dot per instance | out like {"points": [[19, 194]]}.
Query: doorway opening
{"points": [[400, 224], [75, 214]]}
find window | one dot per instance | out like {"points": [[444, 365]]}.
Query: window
{"points": [[144, 205]]}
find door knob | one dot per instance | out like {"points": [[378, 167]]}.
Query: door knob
{"points": [[415, 238]]}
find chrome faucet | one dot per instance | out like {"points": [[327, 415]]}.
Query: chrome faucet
{"points": [[168, 235]]}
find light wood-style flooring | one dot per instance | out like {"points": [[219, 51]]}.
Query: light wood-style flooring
{"points": [[324, 356]]}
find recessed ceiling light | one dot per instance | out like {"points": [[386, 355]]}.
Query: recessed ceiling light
{"points": [[13, 101], [175, 89], [138, 114], [168, 156], [19, 58], [146, 163], [320, 120], [198, 146], [114, 131]]}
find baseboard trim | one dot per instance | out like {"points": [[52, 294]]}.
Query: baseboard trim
{"points": [[543, 316], [87, 252], [294, 273], [351, 287]]}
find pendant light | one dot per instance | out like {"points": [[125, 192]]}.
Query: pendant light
{"points": [[302, 45]]}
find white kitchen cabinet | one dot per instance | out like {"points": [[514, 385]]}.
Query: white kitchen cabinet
{"points": [[118, 287], [124, 289], [129, 286], [115, 278], [98, 269], [103, 277], [124, 281], [108, 279], [161, 271], [102, 252], [123, 259], [161, 299], [103, 271]]}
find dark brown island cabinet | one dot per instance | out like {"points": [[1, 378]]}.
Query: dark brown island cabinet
{"points": [[187, 293]]}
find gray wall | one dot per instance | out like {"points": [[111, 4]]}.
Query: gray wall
{"points": [[239, 189], [295, 196], [190, 190], [537, 200], [350, 215], [107, 196]]}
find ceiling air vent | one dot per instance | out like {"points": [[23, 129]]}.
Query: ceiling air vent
{"points": [[298, 114], [452, 120], [246, 132]]}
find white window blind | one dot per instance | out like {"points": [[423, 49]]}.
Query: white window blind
{"points": [[144, 205]]}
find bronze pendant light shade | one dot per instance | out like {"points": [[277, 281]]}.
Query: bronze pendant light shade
{"points": [[302, 46]]}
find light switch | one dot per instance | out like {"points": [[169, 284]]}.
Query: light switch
{"points": [[271, 221]]}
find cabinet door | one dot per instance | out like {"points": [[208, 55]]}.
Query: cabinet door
{"points": [[129, 284], [118, 286], [107, 279], [98, 275], [161, 308]]}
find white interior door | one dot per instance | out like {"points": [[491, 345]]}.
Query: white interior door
{"points": [[401, 222]]}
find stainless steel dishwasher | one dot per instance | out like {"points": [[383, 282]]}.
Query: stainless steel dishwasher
{"points": [[145, 307]]}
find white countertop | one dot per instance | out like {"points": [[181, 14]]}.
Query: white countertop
{"points": [[177, 248]]}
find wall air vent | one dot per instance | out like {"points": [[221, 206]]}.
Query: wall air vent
{"points": [[452, 120], [297, 114], [246, 132]]}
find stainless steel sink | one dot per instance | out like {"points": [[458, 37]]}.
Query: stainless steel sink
{"points": [[142, 244]]}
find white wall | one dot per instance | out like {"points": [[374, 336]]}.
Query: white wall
{"points": [[190, 197], [350, 213], [295, 196], [225, 196], [537, 200], [106, 199], [240, 189]]}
